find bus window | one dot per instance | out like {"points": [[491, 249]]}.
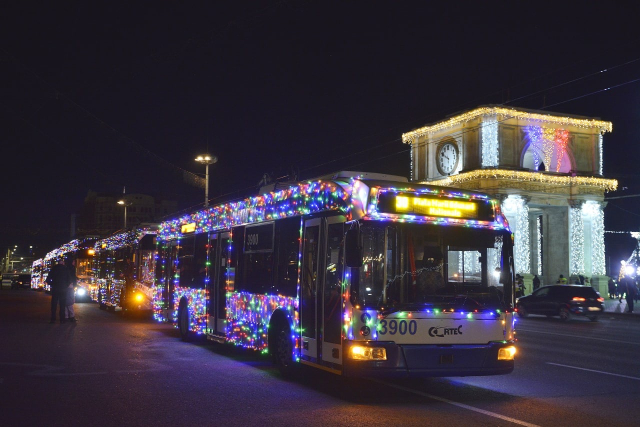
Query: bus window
{"points": [[333, 284], [372, 271], [413, 264], [256, 273], [288, 237], [465, 267]]}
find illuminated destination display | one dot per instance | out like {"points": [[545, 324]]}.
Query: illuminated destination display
{"points": [[428, 205], [436, 207]]}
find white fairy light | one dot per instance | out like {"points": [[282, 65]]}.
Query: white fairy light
{"points": [[593, 211], [576, 241], [490, 142], [517, 211]]}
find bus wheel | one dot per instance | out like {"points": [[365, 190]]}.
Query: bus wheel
{"points": [[283, 350], [183, 320]]}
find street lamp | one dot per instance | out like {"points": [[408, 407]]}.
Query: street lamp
{"points": [[124, 203], [207, 160]]}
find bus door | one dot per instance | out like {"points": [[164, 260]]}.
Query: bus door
{"points": [[332, 291], [216, 286], [309, 287], [166, 272], [321, 291]]}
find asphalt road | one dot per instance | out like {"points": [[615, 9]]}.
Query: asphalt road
{"points": [[115, 370]]}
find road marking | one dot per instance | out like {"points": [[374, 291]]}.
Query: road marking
{"points": [[57, 371], [593, 370], [458, 404], [578, 336]]}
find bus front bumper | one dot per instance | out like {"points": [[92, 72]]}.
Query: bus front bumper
{"points": [[430, 360]]}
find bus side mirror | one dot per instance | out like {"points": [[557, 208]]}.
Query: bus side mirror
{"points": [[353, 249]]}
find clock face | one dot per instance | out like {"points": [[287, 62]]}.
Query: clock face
{"points": [[447, 158]]}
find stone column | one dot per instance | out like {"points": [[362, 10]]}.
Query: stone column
{"points": [[576, 240], [516, 209]]}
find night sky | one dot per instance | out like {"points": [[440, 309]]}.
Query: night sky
{"points": [[97, 96]]}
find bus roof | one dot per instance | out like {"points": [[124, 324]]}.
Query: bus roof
{"points": [[359, 196]]}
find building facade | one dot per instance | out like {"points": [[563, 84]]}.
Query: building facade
{"points": [[547, 171], [101, 214]]}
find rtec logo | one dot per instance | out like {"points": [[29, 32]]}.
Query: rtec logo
{"points": [[442, 332]]}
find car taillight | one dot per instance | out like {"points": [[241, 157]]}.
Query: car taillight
{"points": [[600, 299], [578, 299]]}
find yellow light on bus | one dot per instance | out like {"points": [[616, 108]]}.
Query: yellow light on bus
{"points": [[360, 352], [188, 228], [507, 353], [436, 207]]}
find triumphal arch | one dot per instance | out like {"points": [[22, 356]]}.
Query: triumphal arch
{"points": [[546, 169]]}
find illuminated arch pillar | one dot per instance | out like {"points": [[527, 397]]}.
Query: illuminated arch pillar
{"points": [[593, 214], [576, 238], [516, 210]]}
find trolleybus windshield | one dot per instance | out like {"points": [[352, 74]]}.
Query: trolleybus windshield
{"points": [[409, 266]]}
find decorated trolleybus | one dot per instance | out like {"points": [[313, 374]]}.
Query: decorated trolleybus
{"points": [[357, 274], [124, 267], [80, 251]]}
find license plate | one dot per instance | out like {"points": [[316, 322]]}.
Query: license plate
{"points": [[594, 308]]}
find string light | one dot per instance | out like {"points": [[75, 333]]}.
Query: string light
{"points": [[490, 146], [516, 207], [502, 113], [526, 176], [301, 199], [593, 211], [576, 241]]}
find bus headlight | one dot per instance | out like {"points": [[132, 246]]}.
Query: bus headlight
{"points": [[507, 353], [360, 352]]}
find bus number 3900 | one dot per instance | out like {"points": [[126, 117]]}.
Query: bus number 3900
{"points": [[401, 327]]}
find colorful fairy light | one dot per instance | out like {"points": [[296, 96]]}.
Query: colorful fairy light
{"points": [[301, 199], [248, 317], [551, 144]]}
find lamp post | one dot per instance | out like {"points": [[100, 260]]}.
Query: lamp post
{"points": [[207, 160], [124, 203]]}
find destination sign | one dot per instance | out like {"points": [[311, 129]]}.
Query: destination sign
{"points": [[412, 204]]}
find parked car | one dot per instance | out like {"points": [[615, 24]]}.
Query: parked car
{"points": [[562, 300], [21, 281]]}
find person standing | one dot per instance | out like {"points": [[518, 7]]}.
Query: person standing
{"points": [[536, 282], [631, 293], [71, 290], [612, 288], [58, 281], [622, 288]]}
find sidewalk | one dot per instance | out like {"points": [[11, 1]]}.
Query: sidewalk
{"points": [[614, 306]]}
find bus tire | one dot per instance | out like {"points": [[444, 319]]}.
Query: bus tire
{"points": [[282, 349], [183, 320]]}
